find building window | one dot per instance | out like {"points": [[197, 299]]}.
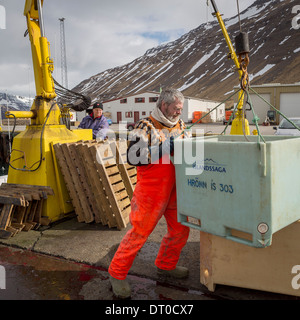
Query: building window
{"points": [[153, 99], [128, 114], [123, 100], [143, 113], [139, 100]]}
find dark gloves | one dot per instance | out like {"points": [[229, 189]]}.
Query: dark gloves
{"points": [[166, 147]]}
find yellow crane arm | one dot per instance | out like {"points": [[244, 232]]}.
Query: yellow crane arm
{"points": [[232, 53], [43, 68], [40, 48], [240, 122], [31, 7]]}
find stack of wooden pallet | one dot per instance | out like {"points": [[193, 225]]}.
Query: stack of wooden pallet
{"points": [[99, 180], [21, 208]]}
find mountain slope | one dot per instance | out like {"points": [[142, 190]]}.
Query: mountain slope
{"points": [[14, 103], [197, 63]]}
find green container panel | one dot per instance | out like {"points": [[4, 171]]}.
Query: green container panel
{"points": [[239, 189]]}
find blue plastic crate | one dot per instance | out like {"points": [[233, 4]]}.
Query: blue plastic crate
{"points": [[241, 190]]}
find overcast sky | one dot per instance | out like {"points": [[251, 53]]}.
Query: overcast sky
{"points": [[100, 34]]}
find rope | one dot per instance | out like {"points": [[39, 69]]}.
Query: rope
{"points": [[234, 110], [243, 114], [189, 127], [255, 118]]}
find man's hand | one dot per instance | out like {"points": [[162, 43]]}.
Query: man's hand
{"points": [[166, 147]]}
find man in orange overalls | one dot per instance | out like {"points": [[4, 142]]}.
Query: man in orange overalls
{"points": [[155, 193]]}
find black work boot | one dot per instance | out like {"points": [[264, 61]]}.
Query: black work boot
{"points": [[177, 273], [120, 288]]}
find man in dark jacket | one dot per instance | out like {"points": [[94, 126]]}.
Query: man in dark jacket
{"points": [[96, 121]]}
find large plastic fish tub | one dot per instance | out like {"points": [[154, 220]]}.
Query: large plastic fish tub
{"points": [[239, 188]]}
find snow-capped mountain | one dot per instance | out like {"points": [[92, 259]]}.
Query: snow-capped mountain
{"points": [[197, 62], [14, 103]]}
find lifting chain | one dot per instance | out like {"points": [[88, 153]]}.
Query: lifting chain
{"points": [[244, 62]]}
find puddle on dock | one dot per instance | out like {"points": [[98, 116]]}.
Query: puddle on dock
{"points": [[33, 276]]}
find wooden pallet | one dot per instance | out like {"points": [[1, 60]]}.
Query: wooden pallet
{"points": [[21, 208], [99, 180]]}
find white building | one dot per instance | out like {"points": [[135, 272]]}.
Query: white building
{"points": [[134, 107]]}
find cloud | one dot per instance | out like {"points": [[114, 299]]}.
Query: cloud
{"points": [[99, 34]]}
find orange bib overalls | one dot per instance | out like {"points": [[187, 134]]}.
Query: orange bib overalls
{"points": [[154, 196]]}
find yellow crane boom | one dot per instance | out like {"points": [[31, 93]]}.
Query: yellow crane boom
{"points": [[43, 68], [32, 159], [240, 125], [40, 47]]}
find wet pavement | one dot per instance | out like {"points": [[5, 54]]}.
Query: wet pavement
{"points": [[69, 261], [34, 276]]}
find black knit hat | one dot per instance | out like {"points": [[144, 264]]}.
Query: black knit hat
{"points": [[98, 105]]}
